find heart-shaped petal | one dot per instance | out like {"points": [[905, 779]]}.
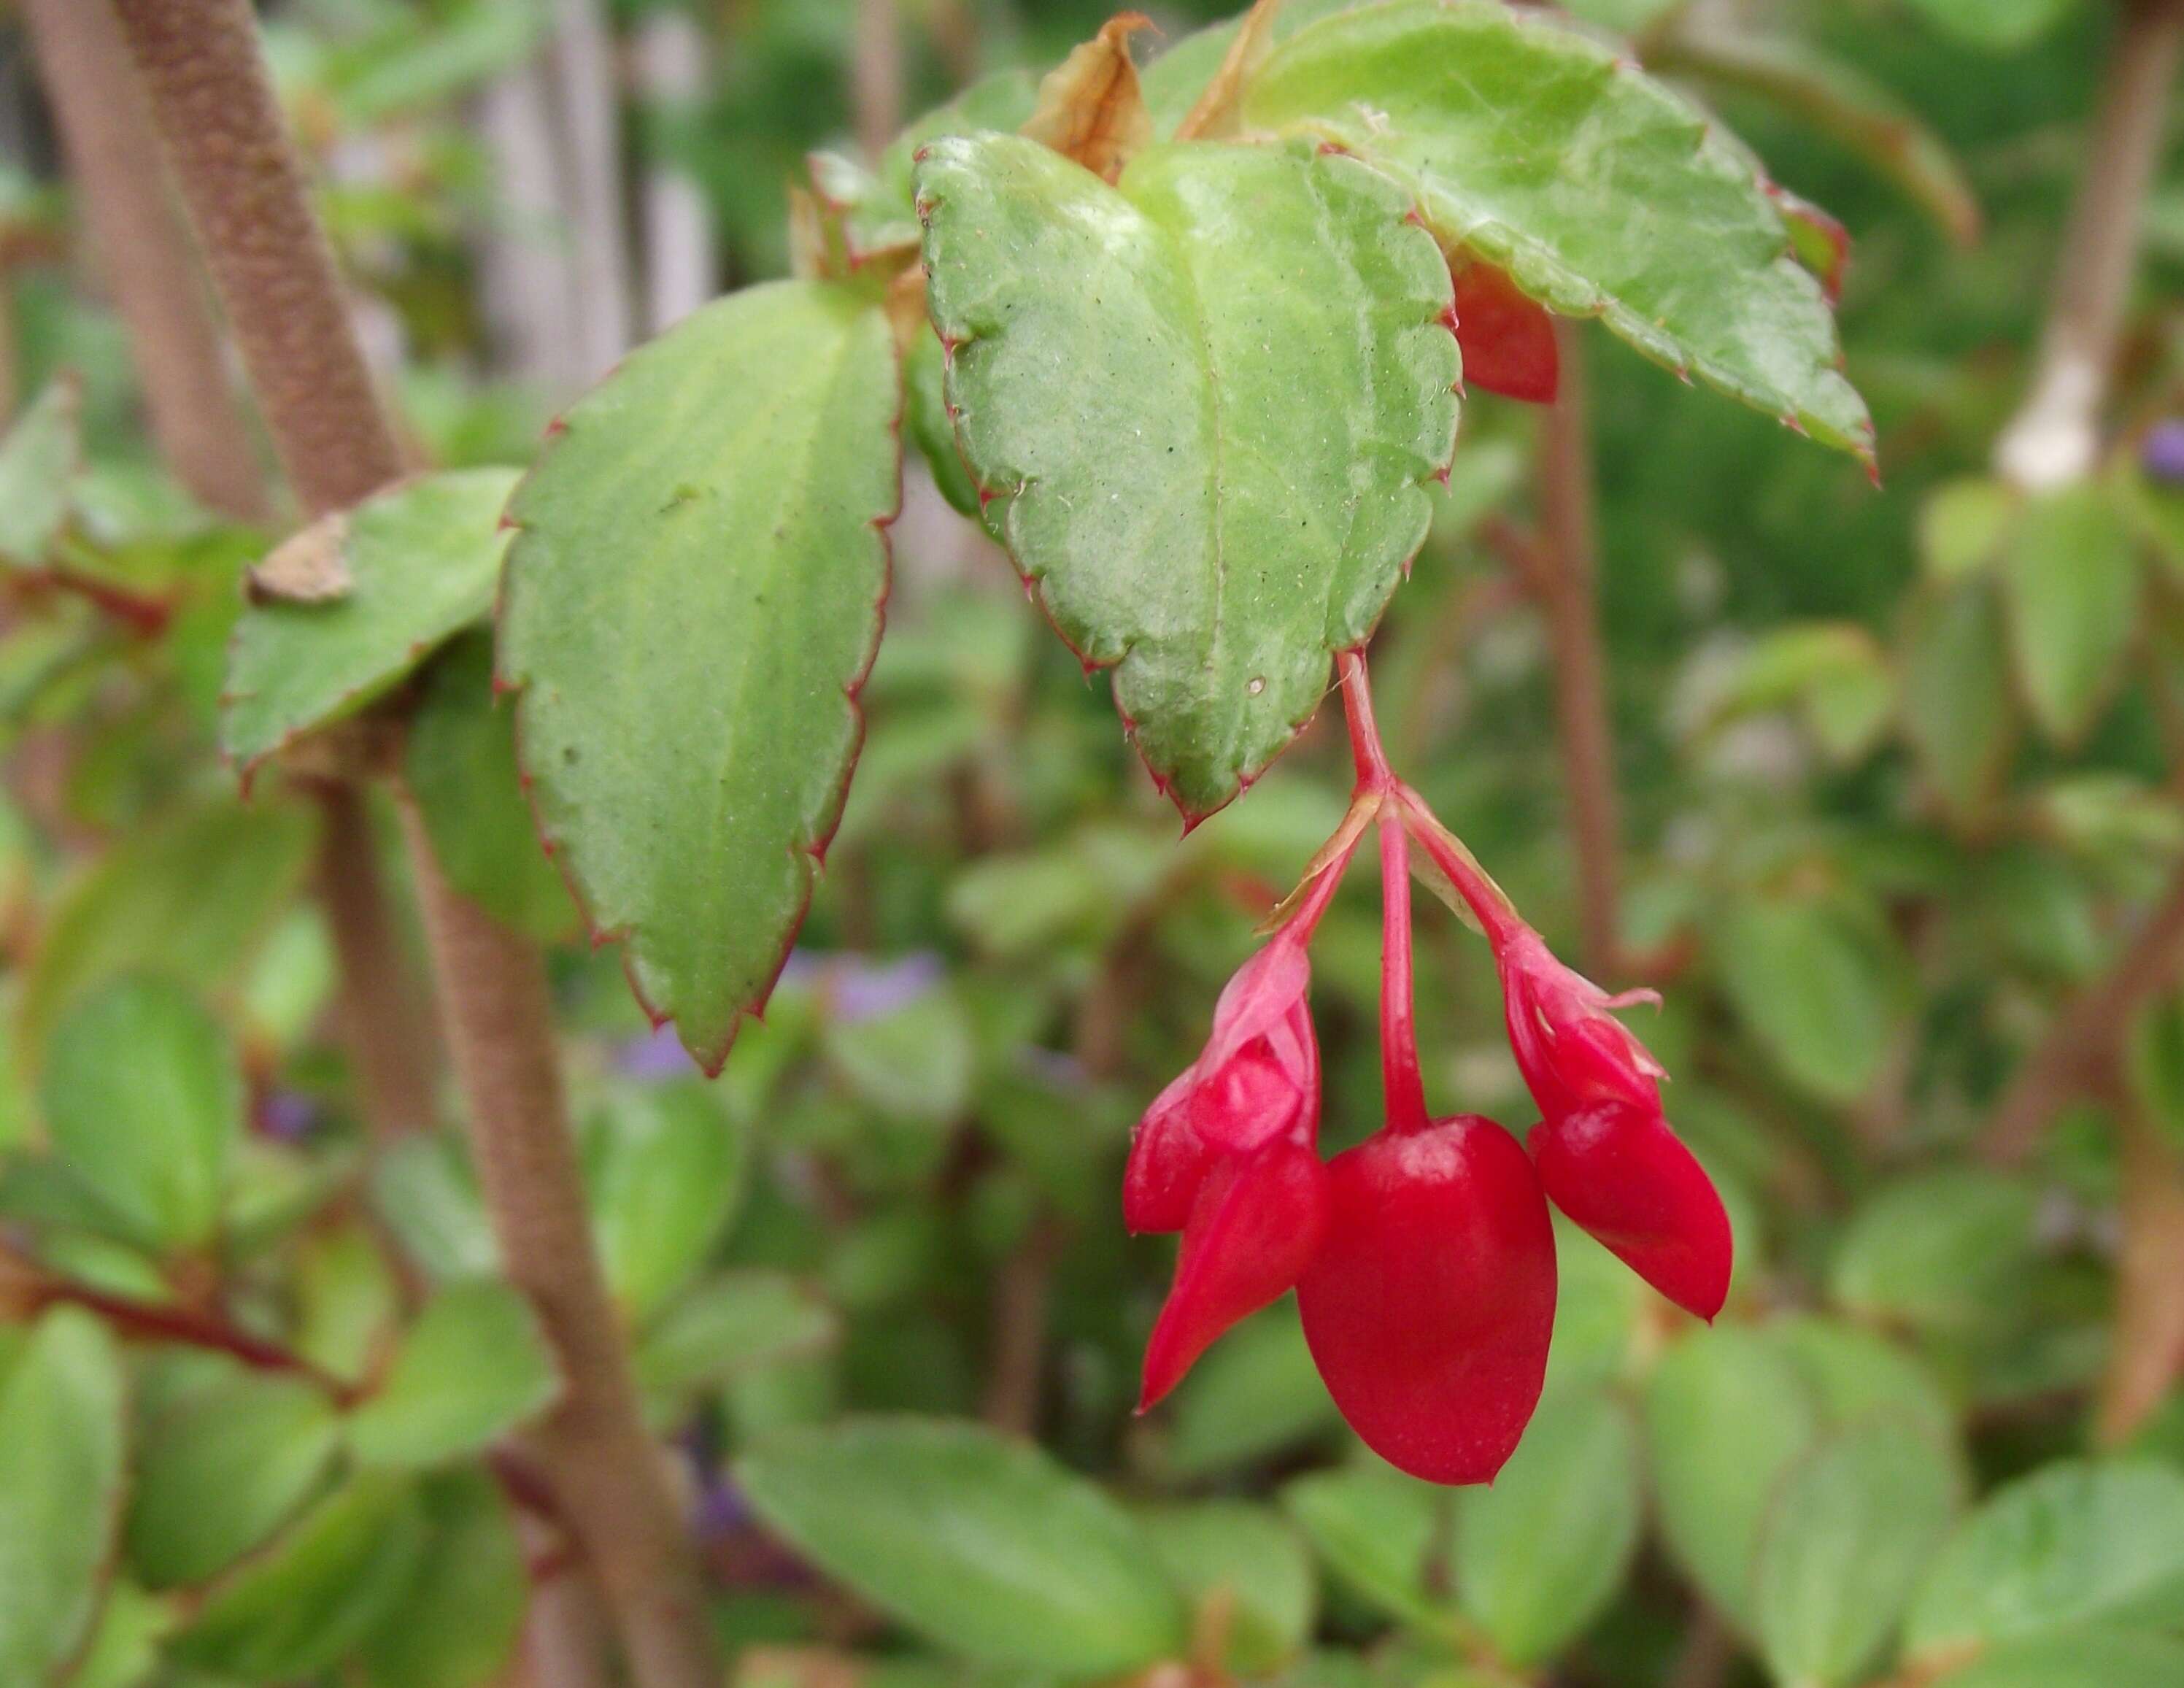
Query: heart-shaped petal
{"points": [[1430, 1300]]}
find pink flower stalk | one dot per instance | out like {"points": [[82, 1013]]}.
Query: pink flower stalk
{"points": [[1423, 1259]]}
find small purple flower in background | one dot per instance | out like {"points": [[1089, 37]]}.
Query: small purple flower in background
{"points": [[2161, 453], [287, 1116], [855, 988], [654, 1058]]}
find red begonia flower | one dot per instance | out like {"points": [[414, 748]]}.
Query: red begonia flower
{"points": [[1430, 1301], [1507, 341], [1573, 1052]]}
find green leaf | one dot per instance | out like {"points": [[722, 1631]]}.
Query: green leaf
{"points": [[305, 1603], [1726, 1416], [1256, 1393], [1958, 709], [1841, 102], [912, 1063], [1816, 986], [188, 898], [2071, 581], [1247, 1555], [1834, 673], [144, 1099], [1998, 23], [460, 1624], [926, 421], [124, 1648], [1255, 379], [729, 1326], [1379, 1531], [459, 764], [1964, 523], [2085, 1659], [2071, 1545], [474, 1367], [665, 1168], [229, 1456], [421, 559], [1521, 136], [1938, 1249], [424, 1188], [62, 1459], [1540, 1554], [984, 1544], [40, 456], [1851, 1527], [691, 603], [1855, 1374]]}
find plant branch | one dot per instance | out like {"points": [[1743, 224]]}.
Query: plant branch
{"points": [[145, 253], [199, 425], [1564, 579], [2055, 438], [2079, 1052], [383, 1014], [875, 76], [27, 1290], [216, 109], [2145, 1352]]}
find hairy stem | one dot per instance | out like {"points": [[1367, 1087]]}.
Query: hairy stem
{"points": [[214, 107], [2079, 1051], [606, 1473], [1564, 581], [384, 1017], [145, 253], [2055, 438], [151, 264]]}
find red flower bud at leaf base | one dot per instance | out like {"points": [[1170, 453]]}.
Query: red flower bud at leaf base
{"points": [[1605, 1153], [1257, 1220], [1256, 1082], [1507, 341], [1573, 1052], [1430, 1301], [1624, 1176]]}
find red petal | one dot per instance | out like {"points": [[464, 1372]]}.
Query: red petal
{"points": [[1626, 1177], [1509, 342], [1258, 1221], [1167, 1163], [1430, 1302]]}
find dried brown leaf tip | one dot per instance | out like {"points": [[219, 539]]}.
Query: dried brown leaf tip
{"points": [[1214, 116], [1090, 108], [308, 568]]}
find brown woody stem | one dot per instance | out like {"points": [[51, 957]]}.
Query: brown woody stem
{"points": [[145, 253], [2145, 1352], [216, 109], [1564, 581], [151, 264], [2079, 1052]]}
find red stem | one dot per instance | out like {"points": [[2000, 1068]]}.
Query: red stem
{"points": [[1374, 773], [1404, 1087]]}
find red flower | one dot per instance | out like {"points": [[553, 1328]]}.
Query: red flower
{"points": [[1509, 342], [1430, 1304], [1604, 1149], [1227, 1155]]}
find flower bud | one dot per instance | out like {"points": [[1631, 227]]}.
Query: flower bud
{"points": [[1573, 1052], [1624, 1177], [1256, 1082], [1507, 341], [1430, 1303]]}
